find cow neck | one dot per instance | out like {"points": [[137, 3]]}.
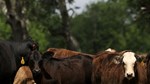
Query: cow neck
{"points": [[20, 50]]}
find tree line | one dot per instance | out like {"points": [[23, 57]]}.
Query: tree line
{"points": [[119, 24]]}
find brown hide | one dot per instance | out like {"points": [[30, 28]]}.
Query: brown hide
{"points": [[148, 67], [71, 70], [64, 53], [142, 73], [24, 76], [105, 71]]}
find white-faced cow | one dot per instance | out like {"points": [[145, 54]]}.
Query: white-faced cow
{"points": [[129, 60], [118, 68]]}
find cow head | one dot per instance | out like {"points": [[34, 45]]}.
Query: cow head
{"points": [[35, 59], [32, 45], [48, 55], [128, 59]]}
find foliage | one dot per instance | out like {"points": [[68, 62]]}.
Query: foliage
{"points": [[109, 24], [99, 28], [142, 11], [119, 24], [35, 31], [5, 30]]}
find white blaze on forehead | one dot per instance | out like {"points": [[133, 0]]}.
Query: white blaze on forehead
{"points": [[129, 57], [129, 60]]}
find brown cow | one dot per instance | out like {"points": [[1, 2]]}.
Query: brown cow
{"points": [[24, 76], [64, 53], [148, 67], [118, 68], [71, 70]]}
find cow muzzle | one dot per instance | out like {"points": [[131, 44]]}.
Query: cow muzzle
{"points": [[36, 70], [129, 76]]}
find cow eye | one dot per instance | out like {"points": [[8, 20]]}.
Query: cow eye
{"points": [[134, 64], [40, 63], [123, 63]]}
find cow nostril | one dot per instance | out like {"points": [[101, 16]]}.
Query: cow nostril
{"points": [[36, 70], [129, 75]]}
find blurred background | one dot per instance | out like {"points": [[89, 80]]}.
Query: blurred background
{"points": [[82, 25]]}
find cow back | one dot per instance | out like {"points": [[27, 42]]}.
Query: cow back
{"points": [[64, 53], [24, 76]]}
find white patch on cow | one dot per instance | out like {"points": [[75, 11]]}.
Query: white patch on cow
{"points": [[129, 60], [110, 50]]}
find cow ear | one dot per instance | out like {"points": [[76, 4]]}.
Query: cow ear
{"points": [[31, 44], [146, 58], [139, 58], [117, 59], [47, 55]]}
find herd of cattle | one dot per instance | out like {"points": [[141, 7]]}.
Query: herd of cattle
{"points": [[23, 63]]}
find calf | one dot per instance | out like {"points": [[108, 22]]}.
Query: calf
{"points": [[35, 60], [24, 76], [118, 68]]}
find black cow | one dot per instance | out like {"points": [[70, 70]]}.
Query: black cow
{"points": [[72, 70], [11, 54], [35, 60]]}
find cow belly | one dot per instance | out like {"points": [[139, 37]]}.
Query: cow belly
{"points": [[73, 78], [68, 75]]}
